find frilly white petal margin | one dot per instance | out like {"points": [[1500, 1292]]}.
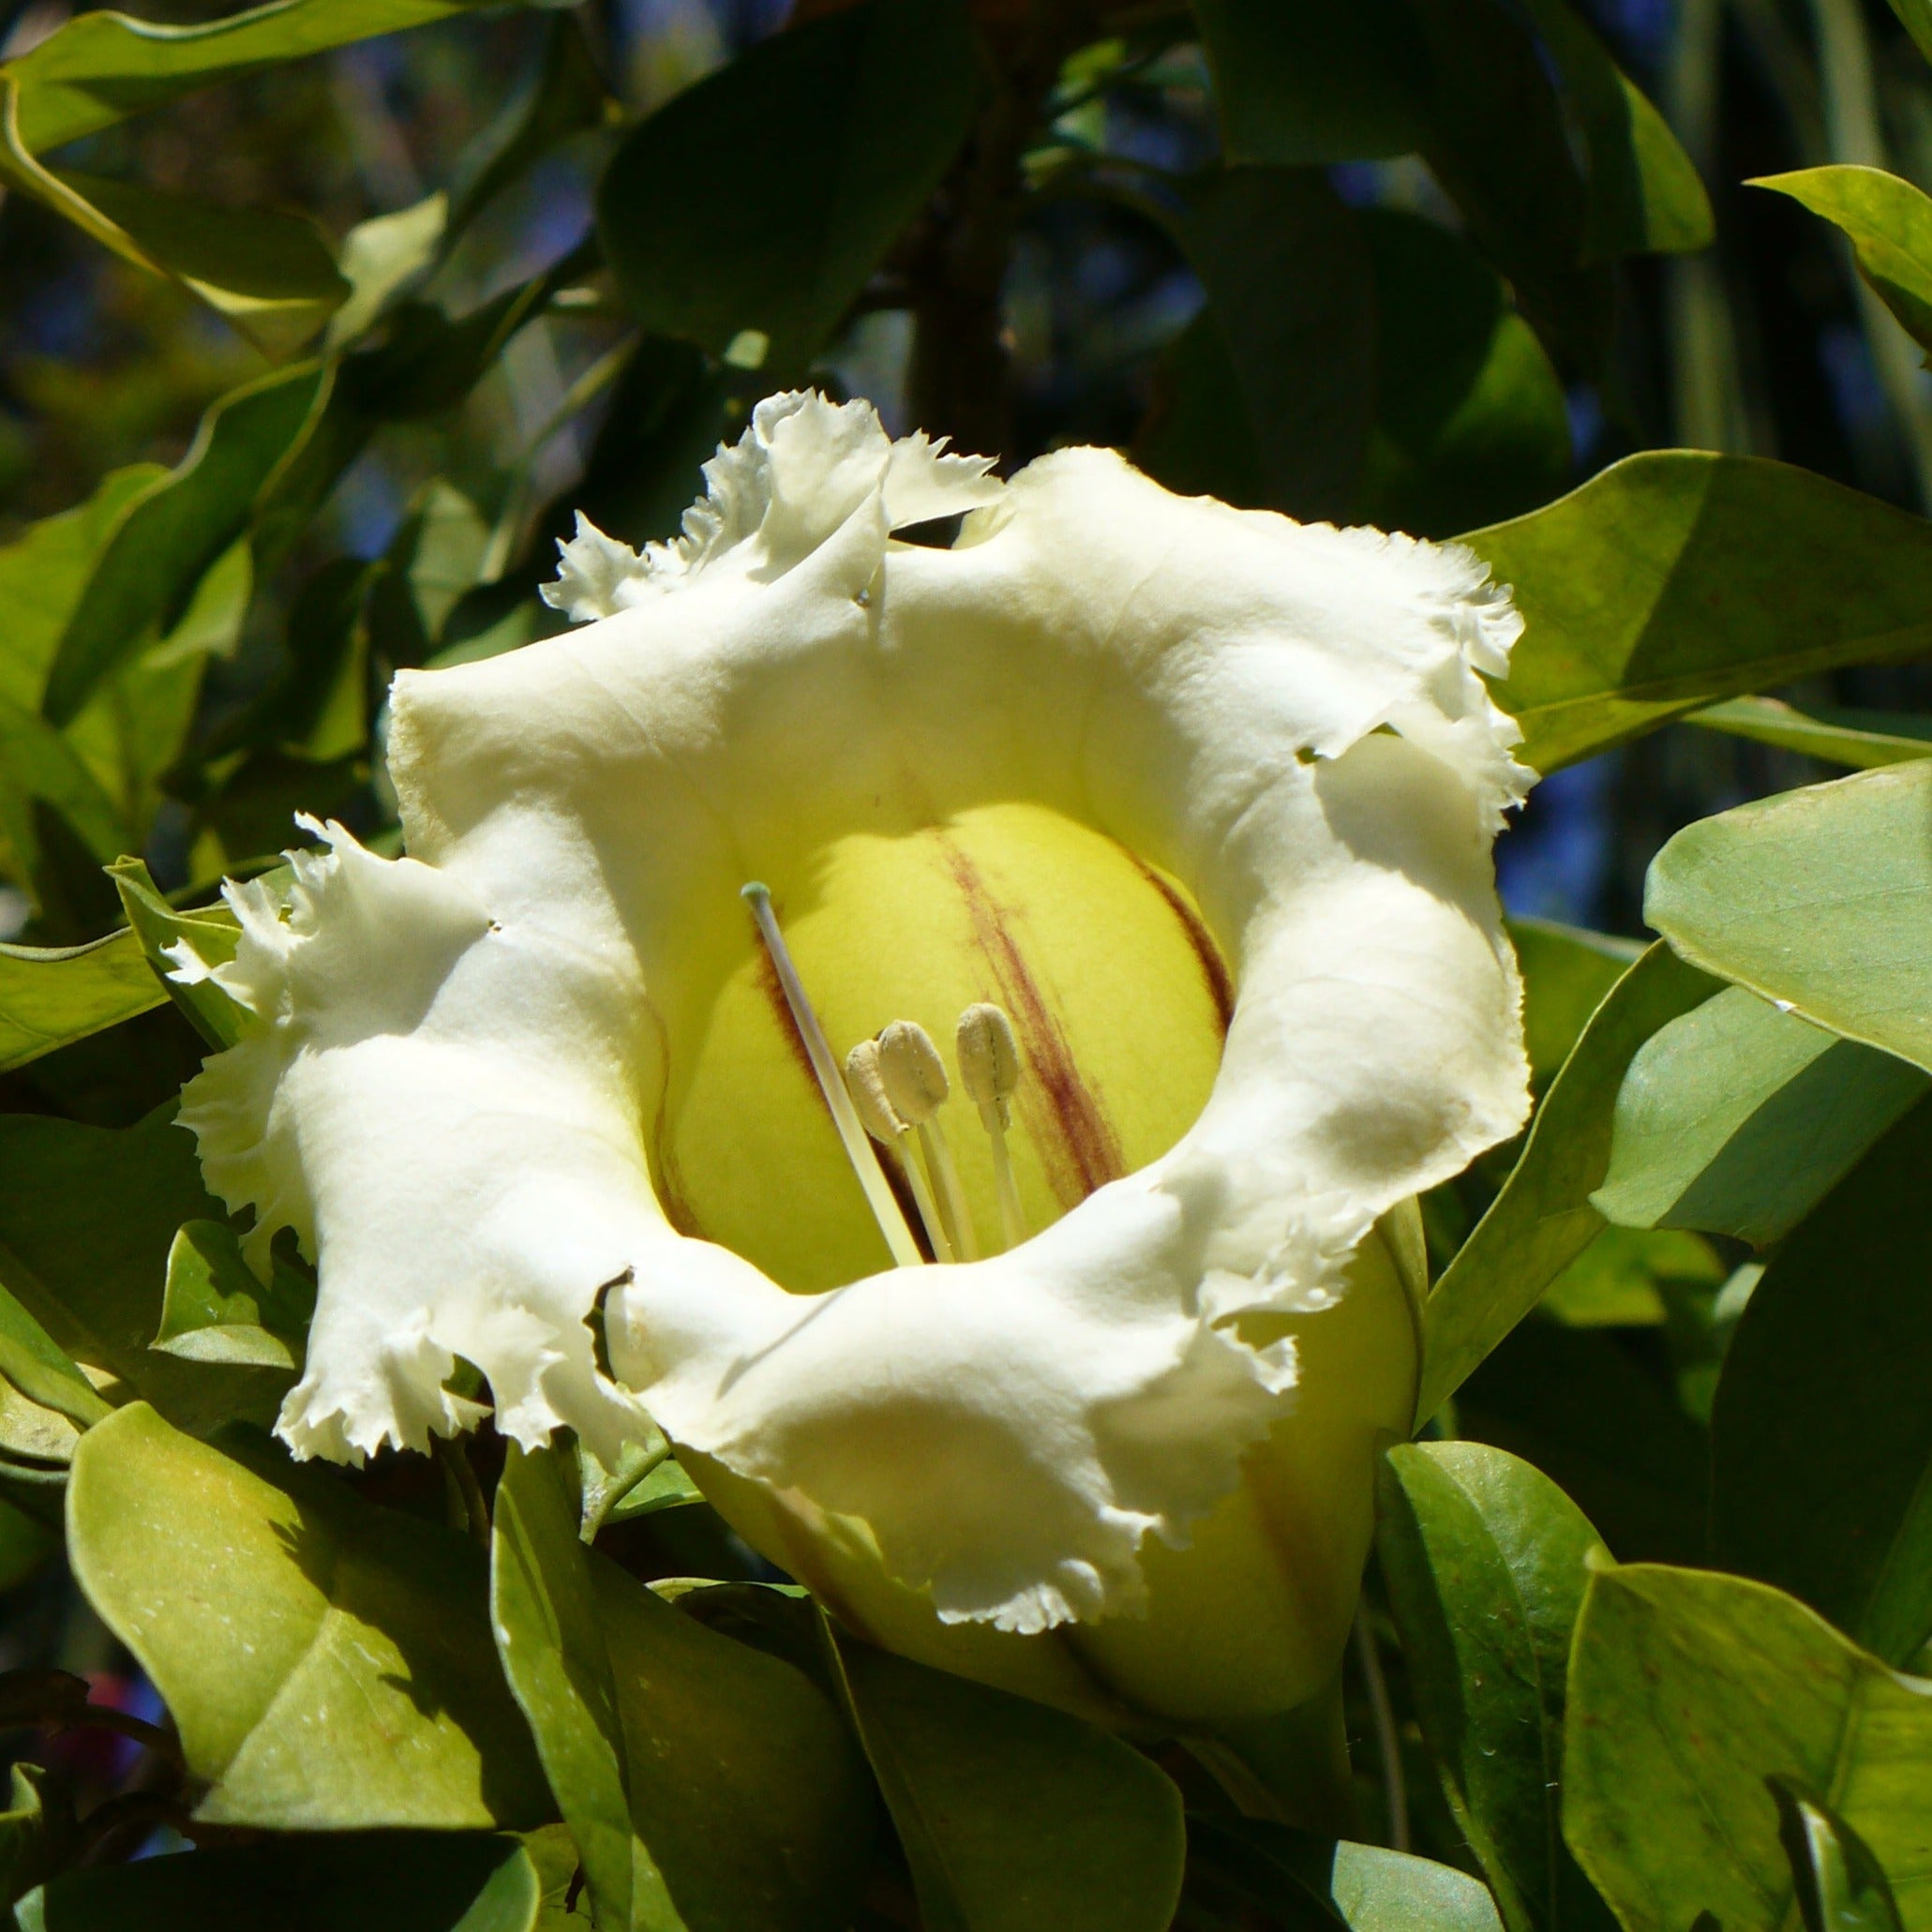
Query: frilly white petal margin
{"points": [[449, 1060]]}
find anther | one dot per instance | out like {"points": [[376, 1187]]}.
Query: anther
{"points": [[872, 1179], [916, 1083], [989, 1069], [870, 1096]]}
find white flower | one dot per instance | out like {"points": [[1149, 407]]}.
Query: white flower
{"points": [[478, 1081]]}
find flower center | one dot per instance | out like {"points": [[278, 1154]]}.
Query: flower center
{"points": [[1116, 996]]}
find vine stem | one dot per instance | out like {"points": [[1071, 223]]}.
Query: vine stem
{"points": [[1388, 1744]]}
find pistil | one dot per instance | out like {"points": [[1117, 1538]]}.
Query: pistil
{"points": [[989, 1069], [825, 1070]]}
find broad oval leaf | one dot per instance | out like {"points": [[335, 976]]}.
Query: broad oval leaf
{"points": [[708, 1786], [757, 202], [1484, 1559], [1015, 1817], [1688, 1692], [1819, 899], [328, 1664], [1738, 1119], [1677, 578], [1543, 1219], [1821, 1435]]}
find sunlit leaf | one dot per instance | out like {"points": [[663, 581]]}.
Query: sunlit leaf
{"points": [[328, 1663], [1861, 739], [1890, 224], [51, 996], [1820, 899], [1543, 1219], [215, 1310], [210, 933], [708, 1786], [1738, 1119], [1566, 974], [1821, 1434], [1622, 1277], [1688, 1692], [1678, 578], [1485, 1561]]}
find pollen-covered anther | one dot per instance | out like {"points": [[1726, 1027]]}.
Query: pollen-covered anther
{"points": [[989, 1069], [865, 1078], [917, 1085]]}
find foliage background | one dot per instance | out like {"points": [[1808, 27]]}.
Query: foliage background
{"points": [[1296, 295]]}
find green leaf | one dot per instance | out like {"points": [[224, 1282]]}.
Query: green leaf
{"points": [[1543, 1219], [1566, 974], [38, 1368], [1739, 1119], [647, 1478], [168, 536], [1015, 1817], [1841, 1887], [103, 66], [1821, 1437], [1820, 899], [213, 1310], [1299, 83], [211, 933], [1645, 197], [1890, 224], [1377, 1890], [1470, 422], [328, 1663], [272, 274], [1678, 578], [94, 1281], [39, 768], [51, 996], [762, 198], [1485, 1561], [1861, 739], [383, 259], [1688, 1692], [1623, 1278], [36, 1831], [1917, 18], [389, 1882], [708, 1786]]}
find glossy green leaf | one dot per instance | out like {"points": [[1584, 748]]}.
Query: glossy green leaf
{"points": [[1543, 1219], [1623, 1278], [328, 1663], [647, 1478], [38, 1368], [1605, 1425], [168, 536], [103, 66], [1566, 974], [1861, 739], [1677, 578], [1470, 422], [1739, 1119], [1890, 225], [1820, 899], [1015, 1817], [211, 933], [94, 1281], [762, 198], [399, 1882], [1485, 1561], [1841, 1887], [34, 1438], [1821, 1436], [1298, 82], [51, 996], [1687, 1691], [1645, 197], [214, 1309], [708, 1786]]}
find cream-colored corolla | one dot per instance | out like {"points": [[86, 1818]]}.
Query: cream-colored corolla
{"points": [[1200, 800]]}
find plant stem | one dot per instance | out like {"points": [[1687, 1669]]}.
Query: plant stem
{"points": [[1388, 1744]]}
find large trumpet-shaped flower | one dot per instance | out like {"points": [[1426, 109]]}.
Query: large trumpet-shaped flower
{"points": [[1201, 800]]}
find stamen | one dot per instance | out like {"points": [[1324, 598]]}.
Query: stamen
{"points": [[916, 1083], [989, 1069], [872, 1179], [865, 1077]]}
